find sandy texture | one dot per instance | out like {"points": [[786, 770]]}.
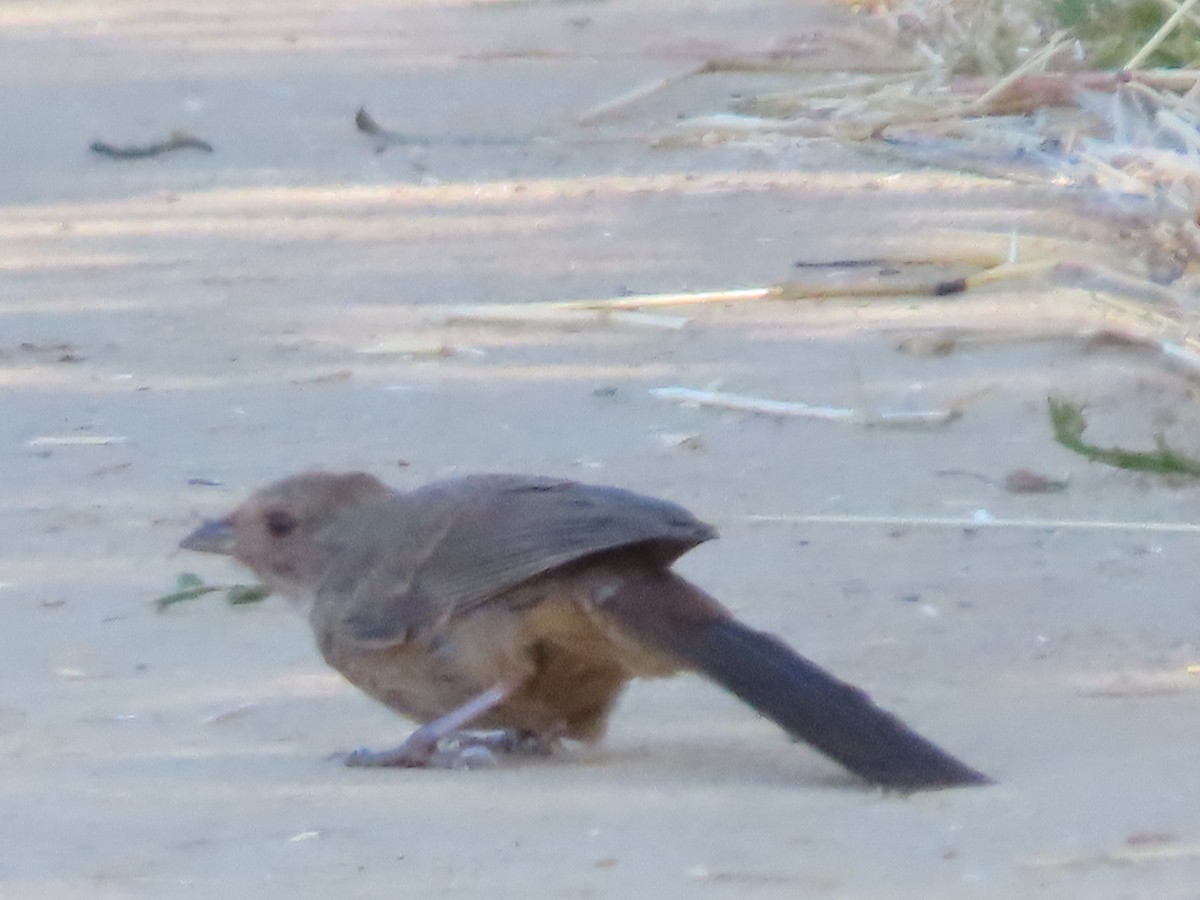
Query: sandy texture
{"points": [[204, 316]]}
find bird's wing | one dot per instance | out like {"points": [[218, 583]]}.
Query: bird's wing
{"points": [[413, 560]]}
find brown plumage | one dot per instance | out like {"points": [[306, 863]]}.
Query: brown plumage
{"points": [[526, 604]]}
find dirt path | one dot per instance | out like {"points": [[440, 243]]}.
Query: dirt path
{"points": [[205, 317]]}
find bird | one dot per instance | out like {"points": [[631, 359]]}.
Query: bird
{"points": [[524, 605]]}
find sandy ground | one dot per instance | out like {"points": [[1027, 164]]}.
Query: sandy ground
{"points": [[208, 313]]}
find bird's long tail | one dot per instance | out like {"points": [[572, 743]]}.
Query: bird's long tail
{"points": [[836, 718]]}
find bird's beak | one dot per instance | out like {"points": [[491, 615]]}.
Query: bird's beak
{"points": [[211, 537]]}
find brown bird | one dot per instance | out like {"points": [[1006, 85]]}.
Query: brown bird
{"points": [[526, 604]]}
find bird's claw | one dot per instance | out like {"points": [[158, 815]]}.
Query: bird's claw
{"points": [[467, 757], [507, 742]]}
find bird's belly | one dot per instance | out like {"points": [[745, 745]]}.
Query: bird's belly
{"points": [[566, 668], [413, 681]]}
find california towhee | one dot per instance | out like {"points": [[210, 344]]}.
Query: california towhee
{"points": [[526, 604]]}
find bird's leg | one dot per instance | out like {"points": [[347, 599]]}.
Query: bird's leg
{"points": [[421, 748]]}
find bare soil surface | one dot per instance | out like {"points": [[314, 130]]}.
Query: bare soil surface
{"points": [[175, 331]]}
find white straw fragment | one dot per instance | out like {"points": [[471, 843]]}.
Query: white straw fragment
{"points": [[1181, 357], [556, 314], [767, 407], [1121, 856], [616, 105], [76, 440], [1161, 35], [679, 298], [972, 522], [230, 714], [419, 348]]}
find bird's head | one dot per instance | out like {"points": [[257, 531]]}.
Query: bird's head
{"points": [[276, 531]]}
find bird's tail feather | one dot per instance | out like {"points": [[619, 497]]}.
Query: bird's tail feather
{"points": [[834, 717]]}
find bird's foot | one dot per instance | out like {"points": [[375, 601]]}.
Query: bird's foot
{"points": [[422, 755], [507, 741], [439, 744], [457, 750]]}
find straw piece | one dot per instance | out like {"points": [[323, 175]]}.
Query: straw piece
{"points": [[1161, 35], [681, 298], [419, 347], [554, 314], [984, 521], [886, 278], [1120, 856], [1171, 6], [1180, 357], [1167, 79], [76, 440], [609, 108], [767, 407]]}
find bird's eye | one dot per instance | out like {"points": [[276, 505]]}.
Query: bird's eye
{"points": [[280, 523]]}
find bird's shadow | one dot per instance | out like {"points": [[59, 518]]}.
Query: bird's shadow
{"points": [[715, 762]]}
